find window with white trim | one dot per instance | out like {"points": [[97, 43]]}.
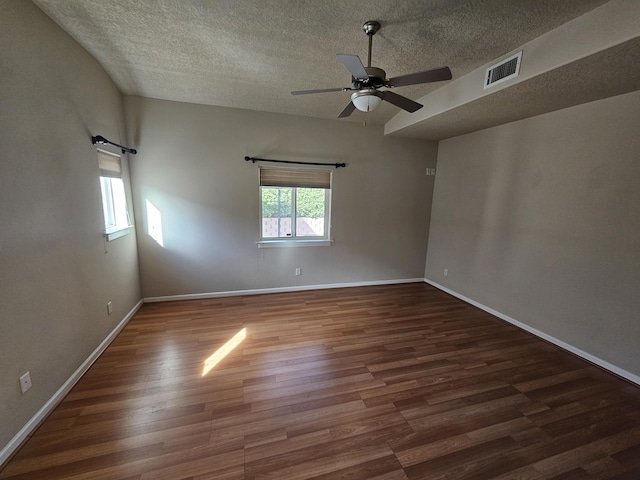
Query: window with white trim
{"points": [[295, 204], [114, 199]]}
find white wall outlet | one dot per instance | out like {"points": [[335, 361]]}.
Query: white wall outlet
{"points": [[109, 308], [25, 382], [446, 272], [298, 271]]}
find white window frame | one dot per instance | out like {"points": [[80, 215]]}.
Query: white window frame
{"points": [[115, 209], [294, 240]]}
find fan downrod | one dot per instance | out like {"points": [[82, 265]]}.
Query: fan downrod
{"points": [[370, 28]]}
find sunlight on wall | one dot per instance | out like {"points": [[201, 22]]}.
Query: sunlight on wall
{"points": [[223, 351], [154, 223]]}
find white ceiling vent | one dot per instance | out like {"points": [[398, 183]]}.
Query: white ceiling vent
{"points": [[504, 70]]}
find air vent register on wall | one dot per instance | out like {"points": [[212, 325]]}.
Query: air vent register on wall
{"points": [[503, 70]]}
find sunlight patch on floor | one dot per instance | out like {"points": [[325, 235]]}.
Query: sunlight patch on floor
{"points": [[223, 351]]}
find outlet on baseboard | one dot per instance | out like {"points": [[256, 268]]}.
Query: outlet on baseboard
{"points": [[446, 272], [298, 271], [25, 382], [109, 308]]}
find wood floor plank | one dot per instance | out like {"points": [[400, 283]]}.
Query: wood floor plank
{"points": [[390, 382]]}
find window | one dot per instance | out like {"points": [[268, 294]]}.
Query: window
{"points": [[295, 205], [114, 199]]}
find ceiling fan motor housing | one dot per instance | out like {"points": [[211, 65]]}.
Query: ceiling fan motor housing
{"points": [[377, 78]]}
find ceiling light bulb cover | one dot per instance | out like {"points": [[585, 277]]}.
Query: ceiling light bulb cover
{"points": [[366, 100]]}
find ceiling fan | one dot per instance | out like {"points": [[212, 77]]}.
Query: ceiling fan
{"points": [[367, 81]]}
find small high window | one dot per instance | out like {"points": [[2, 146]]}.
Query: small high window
{"points": [[295, 205], [114, 199]]}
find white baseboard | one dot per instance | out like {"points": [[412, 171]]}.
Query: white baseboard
{"points": [[261, 291], [66, 387], [570, 348]]}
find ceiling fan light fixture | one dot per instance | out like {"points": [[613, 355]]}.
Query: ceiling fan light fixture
{"points": [[366, 100]]}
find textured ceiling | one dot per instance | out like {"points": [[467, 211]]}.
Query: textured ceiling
{"points": [[250, 54]]}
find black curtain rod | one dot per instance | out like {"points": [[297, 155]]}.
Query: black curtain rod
{"points": [[254, 160], [103, 141]]}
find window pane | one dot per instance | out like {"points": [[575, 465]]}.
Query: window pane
{"points": [[107, 203], [114, 203], [119, 202], [276, 212], [310, 204]]}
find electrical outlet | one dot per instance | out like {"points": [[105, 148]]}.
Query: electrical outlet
{"points": [[25, 382], [446, 272], [109, 308], [298, 271]]}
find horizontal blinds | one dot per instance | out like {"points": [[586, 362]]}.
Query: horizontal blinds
{"points": [[281, 177], [109, 165]]}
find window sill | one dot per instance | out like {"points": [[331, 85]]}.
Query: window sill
{"points": [[293, 243], [114, 233]]}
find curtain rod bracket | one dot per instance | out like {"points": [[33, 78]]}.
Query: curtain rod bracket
{"points": [[103, 141], [254, 160]]}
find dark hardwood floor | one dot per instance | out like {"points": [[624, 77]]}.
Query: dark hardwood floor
{"points": [[386, 382]]}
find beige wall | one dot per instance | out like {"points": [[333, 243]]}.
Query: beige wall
{"points": [[191, 168], [55, 278], [540, 220]]}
